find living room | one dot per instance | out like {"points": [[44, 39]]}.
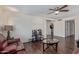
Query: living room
{"points": [[23, 19]]}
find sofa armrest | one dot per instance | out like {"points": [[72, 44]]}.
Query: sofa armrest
{"points": [[13, 41]]}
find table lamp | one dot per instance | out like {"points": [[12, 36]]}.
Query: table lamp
{"points": [[8, 28]]}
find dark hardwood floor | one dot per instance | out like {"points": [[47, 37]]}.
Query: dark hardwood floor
{"points": [[65, 46]]}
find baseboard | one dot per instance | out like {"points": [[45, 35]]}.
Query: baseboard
{"points": [[57, 37]]}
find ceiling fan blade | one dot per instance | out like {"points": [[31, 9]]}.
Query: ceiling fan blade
{"points": [[64, 10], [63, 7], [51, 9]]}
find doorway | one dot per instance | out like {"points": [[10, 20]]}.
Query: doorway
{"points": [[69, 35]]}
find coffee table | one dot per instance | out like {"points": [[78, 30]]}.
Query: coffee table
{"points": [[50, 42]]}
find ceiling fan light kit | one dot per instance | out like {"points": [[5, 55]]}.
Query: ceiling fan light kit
{"points": [[56, 12]]}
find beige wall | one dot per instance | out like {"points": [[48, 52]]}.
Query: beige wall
{"points": [[23, 26]]}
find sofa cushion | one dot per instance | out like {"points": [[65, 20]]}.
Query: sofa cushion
{"points": [[11, 47], [4, 44]]}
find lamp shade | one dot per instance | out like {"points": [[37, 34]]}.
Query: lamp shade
{"points": [[8, 28]]}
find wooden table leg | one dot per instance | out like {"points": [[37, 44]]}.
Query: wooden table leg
{"points": [[56, 47], [43, 48]]}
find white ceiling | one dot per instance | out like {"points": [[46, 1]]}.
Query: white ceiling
{"points": [[43, 10]]}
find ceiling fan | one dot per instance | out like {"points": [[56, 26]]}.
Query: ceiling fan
{"points": [[57, 10]]}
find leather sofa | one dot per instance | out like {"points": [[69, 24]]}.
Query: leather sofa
{"points": [[12, 46]]}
